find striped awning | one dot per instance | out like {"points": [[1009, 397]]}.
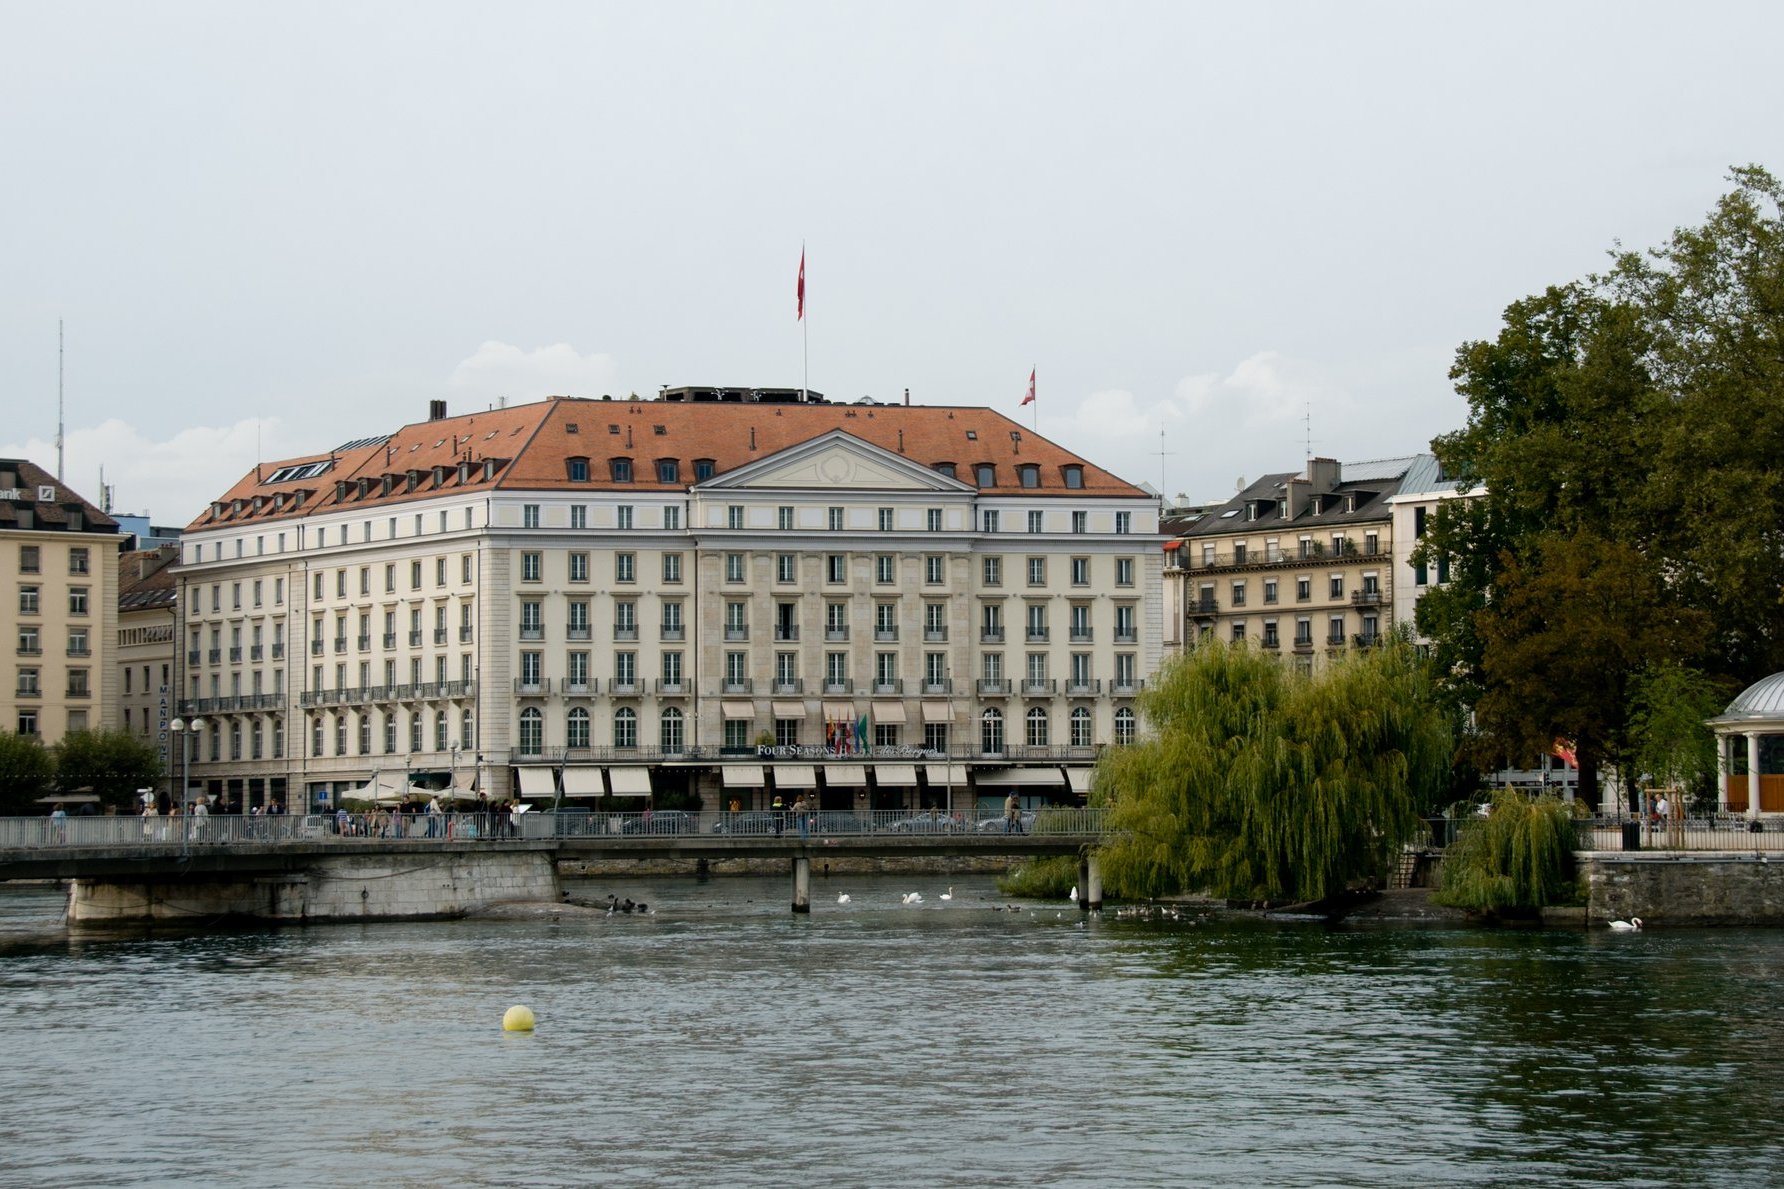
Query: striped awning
{"points": [[937, 712], [945, 774], [896, 774], [1079, 779], [583, 781], [629, 782], [850, 774], [744, 776], [839, 710], [537, 782], [789, 710], [795, 776], [738, 709], [889, 712]]}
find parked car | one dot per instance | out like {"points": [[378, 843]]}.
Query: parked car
{"points": [[835, 821], [662, 821], [995, 825], [755, 821], [922, 824]]}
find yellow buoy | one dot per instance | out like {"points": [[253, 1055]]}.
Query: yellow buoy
{"points": [[517, 1019]]}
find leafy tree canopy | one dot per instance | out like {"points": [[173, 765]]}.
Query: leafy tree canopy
{"points": [[112, 764], [1257, 783], [27, 770], [1621, 445]]}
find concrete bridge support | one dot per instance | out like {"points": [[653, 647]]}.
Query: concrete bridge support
{"points": [[802, 884], [1090, 883]]}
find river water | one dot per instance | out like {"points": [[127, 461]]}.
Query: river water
{"points": [[719, 1040]]}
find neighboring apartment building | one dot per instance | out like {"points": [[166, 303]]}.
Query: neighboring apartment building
{"points": [[718, 594], [148, 624], [1301, 564], [59, 562]]}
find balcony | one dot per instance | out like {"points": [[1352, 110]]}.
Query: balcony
{"points": [[365, 643], [625, 633], [588, 687], [835, 635], [535, 687], [935, 635], [192, 656], [885, 635], [82, 692], [1272, 642], [737, 685], [464, 634], [578, 632], [1126, 687], [625, 687], [1368, 639], [838, 685], [278, 651], [1037, 635], [439, 635], [786, 631], [944, 686], [1127, 636], [1083, 687], [994, 685], [673, 631], [27, 691], [788, 685], [991, 635], [888, 687], [1038, 687], [415, 638], [1082, 636], [215, 656], [672, 688], [527, 632], [255, 652], [1206, 605], [340, 644], [390, 639], [736, 634], [1366, 598], [34, 650], [1303, 643]]}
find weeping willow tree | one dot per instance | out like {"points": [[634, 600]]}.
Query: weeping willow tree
{"points": [[1517, 858], [1255, 782]]}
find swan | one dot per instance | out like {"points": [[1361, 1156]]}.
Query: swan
{"points": [[913, 897], [843, 899], [1632, 925], [949, 894]]}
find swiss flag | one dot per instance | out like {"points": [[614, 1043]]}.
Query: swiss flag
{"points": [[801, 316], [1027, 400]]}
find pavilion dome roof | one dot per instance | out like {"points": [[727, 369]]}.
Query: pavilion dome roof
{"points": [[1763, 699]]}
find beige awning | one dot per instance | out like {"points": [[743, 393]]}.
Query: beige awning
{"points": [[795, 776], [896, 774], [744, 776], [1006, 777], [583, 780], [738, 709], [937, 712], [855, 774], [946, 774], [789, 710], [839, 710], [629, 782], [1079, 779], [537, 782], [889, 712]]}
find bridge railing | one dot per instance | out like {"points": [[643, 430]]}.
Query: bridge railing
{"points": [[384, 827]]}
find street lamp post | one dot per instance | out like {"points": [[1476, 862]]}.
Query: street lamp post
{"points": [[186, 729]]}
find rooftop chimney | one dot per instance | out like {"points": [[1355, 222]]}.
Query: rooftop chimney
{"points": [[436, 410]]}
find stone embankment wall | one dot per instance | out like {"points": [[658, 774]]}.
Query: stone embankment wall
{"points": [[1684, 888], [924, 865], [333, 888]]}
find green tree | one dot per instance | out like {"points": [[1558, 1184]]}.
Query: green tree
{"points": [[1622, 438], [111, 763], [27, 771], [1517, 859], [1254, 782], [1672, 747]]}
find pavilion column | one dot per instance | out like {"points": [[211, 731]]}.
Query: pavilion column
{"points": [[1722, 773], [1753, 776]]}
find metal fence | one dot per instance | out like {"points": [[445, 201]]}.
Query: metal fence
{"points": [[384, 827], [1705, 832]]}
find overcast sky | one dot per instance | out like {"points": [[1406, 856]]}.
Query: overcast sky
{"points": [[271, 229]]}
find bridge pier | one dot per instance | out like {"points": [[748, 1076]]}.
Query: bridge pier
{"points": [[1093, 883], [802, 884]]}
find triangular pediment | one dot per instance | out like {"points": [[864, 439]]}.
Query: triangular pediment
{"points": [[836, 461]]}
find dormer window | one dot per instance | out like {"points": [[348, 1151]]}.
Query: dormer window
{"points": [[945, 468], [668, 470], [1074, 476], [576, 469], [1028, 474], [985, 474], [621, 469], [704, 469]]}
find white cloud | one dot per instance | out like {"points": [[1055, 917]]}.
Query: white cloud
{"points": [[169, 480], [500, 370]]}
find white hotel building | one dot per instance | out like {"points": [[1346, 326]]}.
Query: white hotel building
{"points": [[685, 597]]}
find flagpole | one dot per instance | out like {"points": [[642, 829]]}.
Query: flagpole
{"points": [[804, 330]]}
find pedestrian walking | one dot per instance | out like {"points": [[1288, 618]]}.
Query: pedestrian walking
{"points": [[1012, 815]]}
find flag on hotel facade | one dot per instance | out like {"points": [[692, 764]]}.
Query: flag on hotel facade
{"points": [[801, 315], [1027, 400]]}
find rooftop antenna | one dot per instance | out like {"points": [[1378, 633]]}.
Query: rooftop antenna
{"points": [[58, 400], [1309, 431], [1162, 455]]}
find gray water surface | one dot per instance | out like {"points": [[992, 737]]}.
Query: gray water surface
{"points": [[722, 1041]]}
